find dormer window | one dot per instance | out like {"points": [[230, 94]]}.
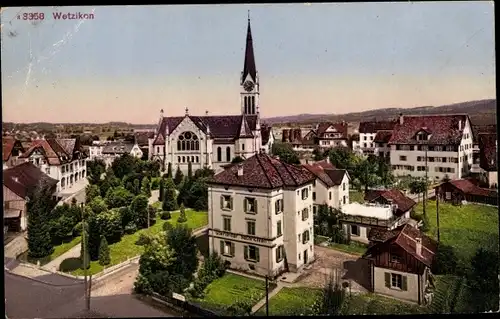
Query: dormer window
{"points": [[422, 135]]}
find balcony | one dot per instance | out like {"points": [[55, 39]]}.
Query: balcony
{"points": [[390, 223]]}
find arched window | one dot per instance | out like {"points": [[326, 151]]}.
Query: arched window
{"points": [[219, 154], [188, 141], [184, 159], [246, 104], [178, 159], [253, 104], [192, 159], [197, 159], [228, 154]]}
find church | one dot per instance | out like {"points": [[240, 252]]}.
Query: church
{"points": [[214, 141]]}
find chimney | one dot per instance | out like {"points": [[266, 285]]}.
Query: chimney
{"points": [[459, 125], [418, 247], [401, 119], [240, 169]]}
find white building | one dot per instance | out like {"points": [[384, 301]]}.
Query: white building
{"points": [[447, 138], [61, 159], [260, 216], [109, 151], [331, 186], [368, 131], [214, 141]]}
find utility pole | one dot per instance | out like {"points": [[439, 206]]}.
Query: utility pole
{"points": [[84, 261], [267, 296], [437, 213], [425, 192]]}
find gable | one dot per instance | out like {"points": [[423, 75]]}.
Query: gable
{"points": [[187, 125]]}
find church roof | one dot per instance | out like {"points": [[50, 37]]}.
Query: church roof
{"points": [[249, 66], [244, 129]]}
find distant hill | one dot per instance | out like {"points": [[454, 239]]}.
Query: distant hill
{"points": [[481, 112]]}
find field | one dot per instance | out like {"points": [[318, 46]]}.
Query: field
{"points": [[373, 304], [291, 301], [126, 247], [231, 288], [465, 228], [352, 248]]}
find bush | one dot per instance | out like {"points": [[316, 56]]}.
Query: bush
{"points": [[165, 215], [445, 260], [77, 230], [182, 217], [130, 228], [240, 308], [167, 226], [144, 239], [70, 264], [425, 224], [214, 267], [104, 258], [155, 184]]}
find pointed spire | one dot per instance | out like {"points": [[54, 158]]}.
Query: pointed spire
{"points": [[249, 66]]}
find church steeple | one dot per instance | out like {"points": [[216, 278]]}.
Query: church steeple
{"points": [[249, 81]]}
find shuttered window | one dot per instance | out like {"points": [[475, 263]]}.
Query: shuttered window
{"points": [[226, 202], [280, 252], [250, 205], [251, 253], [227, 248], [396, 281]]}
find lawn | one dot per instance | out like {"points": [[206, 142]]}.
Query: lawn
{"points": [[355, 196], [229, 289], [353, 248], [126, 247], [373, 304], [58, 251], [466, 228], [291, 301]]}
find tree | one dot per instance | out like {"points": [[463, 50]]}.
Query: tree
{"points": [[182, 216], [417, 186], [98, 205], [169, 200], [332, 297], [483, 280], [445, 260], [39, 207], [318, 154], [136, 187], [119, 197], [190, 171], [204, 173], [124, 165], [110, 225], [169, 171], [94, 236], [61, 228], [140, 208], [237, 159], [84, 247], [146, 187], [384, 172], [91, 192], [104, 258], [366, 172], [127, 216], [285, 153], [161, 192], [183, 243], [184, 192], [178, 176], [198, 195], [95, 169]]}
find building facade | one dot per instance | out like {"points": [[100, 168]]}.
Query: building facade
{"points": [[61, 159], [11, 150], [442, 143], [260, 216], [214, 141], [368, 139], [109, 151]]}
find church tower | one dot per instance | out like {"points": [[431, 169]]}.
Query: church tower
{"points": [[249, 82]]}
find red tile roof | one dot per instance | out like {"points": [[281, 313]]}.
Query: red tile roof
{"points": [[371, 127], [469, 188], [383, 196], [23, 178], [8, 144], [339, 127], [444, 129], [481, 129], [326, 172], [488, 151], [263, 171], [405, 237], [382, 137], [56, 151]]}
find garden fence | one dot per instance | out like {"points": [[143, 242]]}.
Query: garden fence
{"points": [[183, 305]]}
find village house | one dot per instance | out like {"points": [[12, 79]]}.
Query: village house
{"points": [[12, 148], [457, 191], [400, 262], [142, 139], [61, 159], [329, 135], [442, 143], [299, 143], [355, 144], [267, 138], [214, 141], [381, 142], [368, 140], [259, 216], [331, 186], [488, 152], [18, 184], [109, 151], [403, 204]]}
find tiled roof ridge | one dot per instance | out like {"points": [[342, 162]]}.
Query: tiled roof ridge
{"points": [[264, 169], [289, 172], [414, 239]]}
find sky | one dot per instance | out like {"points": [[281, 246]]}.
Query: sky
{"points": [[128, 62]]}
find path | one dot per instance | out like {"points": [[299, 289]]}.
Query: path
{"points": [[72, 253]]}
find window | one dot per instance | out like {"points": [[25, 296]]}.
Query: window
{"points": [[227, 248], [242, 147], [314, 195], [330, 195], [184, 159], [280, 253], [278, 206], [443, 159], [227, 223], [299, 237], [343, 187], [344, 199], [178, 159], [305, 193], [364, 138], [197, 159], [278, 227], [354, 230], [305, 237], [157, 150], [364, 144], [219, 154], [251, 227], [396, 281], [314, 210], [419, 158], [228, 154], [188, 141], [250, 205], [402, 158], [395, 258], [226, 202], [252, 253], [305, 214]]}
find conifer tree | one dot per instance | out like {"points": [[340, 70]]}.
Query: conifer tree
{"points": [[104, 258], [182, 217], [161, 190], [169, 170], [178, 176], [39, 207]]}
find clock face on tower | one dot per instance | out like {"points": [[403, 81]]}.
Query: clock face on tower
{"points": [[248, 86]]}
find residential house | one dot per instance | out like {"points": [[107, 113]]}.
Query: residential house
{"points": [[403, 204], [358, 219], [400, 262], [368, 131], [61, 159], [260, 216], [457, 191], [488, 151], [478, 130], [18, 184], [11, 149], [267, 138], [213, 141], [381, 143], [142, 139], [355, 144], [330, 135], [442, 143], [299, 143], [331, 186], [109, 151]]}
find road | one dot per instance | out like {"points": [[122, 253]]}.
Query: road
{"points": [[112, 298]]}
